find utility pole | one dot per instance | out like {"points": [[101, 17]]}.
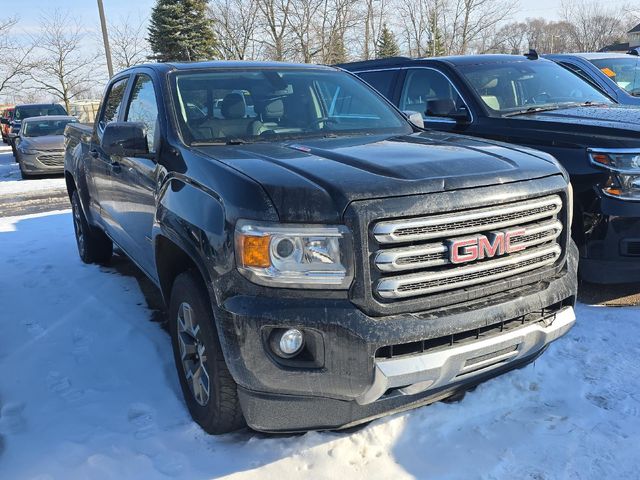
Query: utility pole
{"points": [[105, 38]]}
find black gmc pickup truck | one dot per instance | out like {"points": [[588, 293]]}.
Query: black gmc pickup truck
{"points": [[324, 261], [526, 100]]}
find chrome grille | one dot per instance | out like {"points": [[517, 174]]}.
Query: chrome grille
{"points": [[51, 160], [420, 268]]}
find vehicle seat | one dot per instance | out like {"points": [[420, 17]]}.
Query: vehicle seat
{"points": [[235, 123], [491, 101], [270, 113]]}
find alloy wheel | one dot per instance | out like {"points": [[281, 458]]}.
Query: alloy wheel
{"points": [[193, 354]]}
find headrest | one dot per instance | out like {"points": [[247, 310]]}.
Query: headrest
{"points": [[272, 109], [233, 106]]}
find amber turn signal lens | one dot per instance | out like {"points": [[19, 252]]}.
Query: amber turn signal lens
{"points": [[601, 158], [254, 251]]}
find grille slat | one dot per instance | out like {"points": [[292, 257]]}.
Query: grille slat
{"points": [[424, 268], [474, 221]]}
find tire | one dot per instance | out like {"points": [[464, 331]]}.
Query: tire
{"points": [[93, 245], [191, 323]]}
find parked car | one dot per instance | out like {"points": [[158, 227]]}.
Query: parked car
{"points": [[530, 101], [616, 74], [324, 261], [5, 119], [40, 144], [27, 111]]}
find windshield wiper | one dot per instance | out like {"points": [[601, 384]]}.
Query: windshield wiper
{"points": [[531, 110], [232, 141]]}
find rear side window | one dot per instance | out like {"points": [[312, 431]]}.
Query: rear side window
{"points": [[113, 103], [143, 107], [381, 81], [423, 86]]}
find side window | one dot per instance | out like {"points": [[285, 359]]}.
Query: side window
{"points": [[381, 80], [113, 103], [428, 91], [143, 107]]}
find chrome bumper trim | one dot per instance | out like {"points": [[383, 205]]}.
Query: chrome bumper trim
{"points": [[418, 373]]}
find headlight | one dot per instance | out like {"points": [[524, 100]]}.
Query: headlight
{"points": [[27, 151], [294, 256], [624, 167]]}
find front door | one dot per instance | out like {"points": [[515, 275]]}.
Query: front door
{"points": [[101, 164], [135, 178]]}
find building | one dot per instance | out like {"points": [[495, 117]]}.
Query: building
{"points": [[633, 37]]}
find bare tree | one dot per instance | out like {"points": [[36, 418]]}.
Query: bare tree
{"points": [[235, 25], [374, 13], [14, 59], [129, 45], [275, 19], [62, 68], [468, 21], [592, 24]]}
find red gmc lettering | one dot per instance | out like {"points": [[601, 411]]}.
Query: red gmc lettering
{"points": [[470, 249]]}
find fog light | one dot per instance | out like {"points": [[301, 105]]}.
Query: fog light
{"points": [[291, 342]]}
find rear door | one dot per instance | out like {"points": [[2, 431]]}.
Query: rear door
{"points": [[100, 164], [134, 179]]}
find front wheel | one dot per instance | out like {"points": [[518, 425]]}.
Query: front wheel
{"points": [[208, 388], [93, 245]]}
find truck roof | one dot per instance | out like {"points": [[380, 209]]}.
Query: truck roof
{"points": [[453, 60], [226, 64]]}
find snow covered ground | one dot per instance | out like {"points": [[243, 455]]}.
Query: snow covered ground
{"points": [[11, 182], [88, 391]]}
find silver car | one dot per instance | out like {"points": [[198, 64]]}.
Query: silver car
{"points": [[40, 145]]}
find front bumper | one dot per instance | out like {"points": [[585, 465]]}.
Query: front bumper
{"points": [[352, 383], [32, 164], [611, 252]]}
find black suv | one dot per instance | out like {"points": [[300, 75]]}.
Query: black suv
{"points": [[534, 102]]}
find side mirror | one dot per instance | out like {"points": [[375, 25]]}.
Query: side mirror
{"points": [[446, 108], [414, 117], [125, 139]]}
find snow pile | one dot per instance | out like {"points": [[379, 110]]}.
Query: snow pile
{"points": [[88, 390]]}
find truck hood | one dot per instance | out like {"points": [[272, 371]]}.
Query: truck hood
{"points": [[314, 179], [601, 120]]}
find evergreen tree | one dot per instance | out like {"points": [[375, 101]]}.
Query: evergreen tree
{"points": [[180, 30], [337, 52], [386, 46]]}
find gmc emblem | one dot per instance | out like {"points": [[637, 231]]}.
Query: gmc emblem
{"points": [[468, 249]]}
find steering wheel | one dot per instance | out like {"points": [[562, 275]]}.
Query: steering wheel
{"points": [[320, 120], [542, 97]]}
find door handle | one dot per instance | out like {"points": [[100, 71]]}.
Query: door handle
{"points": [[116, 167], [94, 153]]}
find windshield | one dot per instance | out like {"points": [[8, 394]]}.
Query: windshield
{"points": [[265, 104], [624, 71], [38, 111], [45, 127], [511, 87]]}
